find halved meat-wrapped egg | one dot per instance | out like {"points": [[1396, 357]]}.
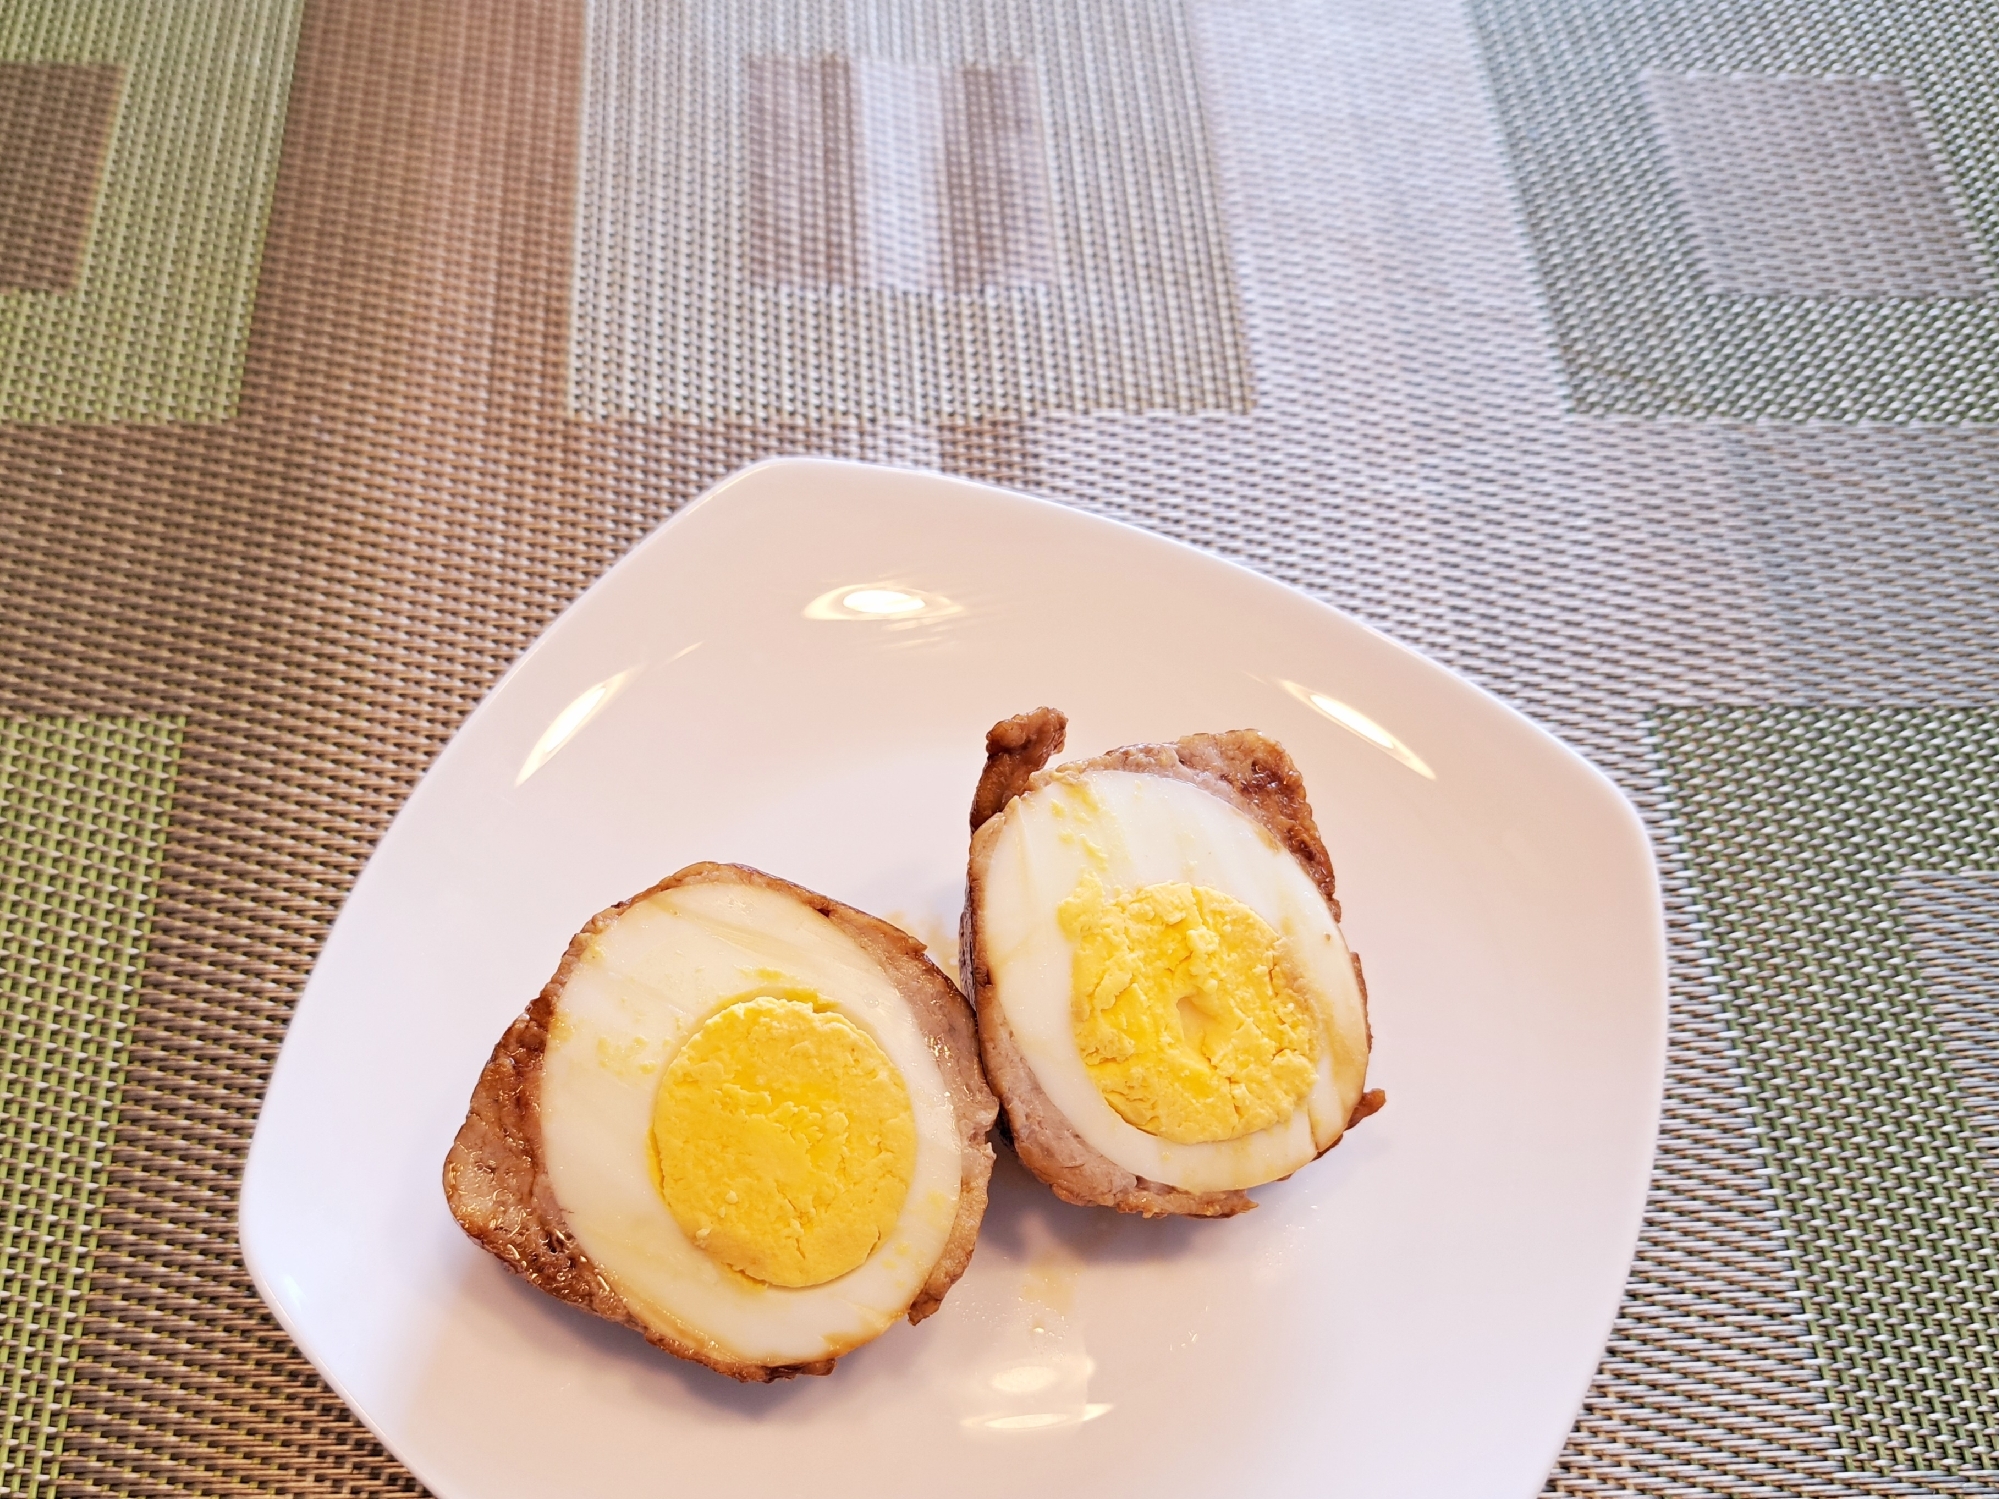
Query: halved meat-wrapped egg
{"points": [[744, 1119], [1167, 1008]]}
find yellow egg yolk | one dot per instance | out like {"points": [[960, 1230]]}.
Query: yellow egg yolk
{"points": [[1183, 1011], [785, 1141]]}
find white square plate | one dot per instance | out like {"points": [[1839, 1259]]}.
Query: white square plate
{"points": [[1417, 1314]]}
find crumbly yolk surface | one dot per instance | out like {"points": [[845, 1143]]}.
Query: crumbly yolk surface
{"points": [[785, 1141], [1183, 1011]]}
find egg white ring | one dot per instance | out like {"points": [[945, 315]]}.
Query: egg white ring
{"points": [[1134, 830], [648, 982]]}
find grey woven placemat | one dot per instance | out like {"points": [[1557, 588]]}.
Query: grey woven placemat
{"points": [[1628, 356]]}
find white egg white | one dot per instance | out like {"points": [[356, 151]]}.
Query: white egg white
{"points": [[1134, 830], [647, 982]]}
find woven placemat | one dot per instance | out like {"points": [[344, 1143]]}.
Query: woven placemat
{"points": [[1627, 356]]}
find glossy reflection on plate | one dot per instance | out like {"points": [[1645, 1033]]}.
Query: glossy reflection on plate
{"points": [[879, 603], [565, 726], [1354, 721]]}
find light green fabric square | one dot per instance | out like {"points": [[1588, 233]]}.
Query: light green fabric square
{"points": [[157, 327], [83, 818], [1635, 325], [1796, 823]]}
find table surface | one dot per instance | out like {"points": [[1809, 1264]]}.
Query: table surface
{"points": [[1638, 358]]}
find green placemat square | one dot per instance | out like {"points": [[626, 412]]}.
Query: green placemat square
{"points": [[156, 324], [83, 817], [1798, 824], [1650, 143]]}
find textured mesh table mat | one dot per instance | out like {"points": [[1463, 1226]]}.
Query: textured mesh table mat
{"points": [[1636, 358]]}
